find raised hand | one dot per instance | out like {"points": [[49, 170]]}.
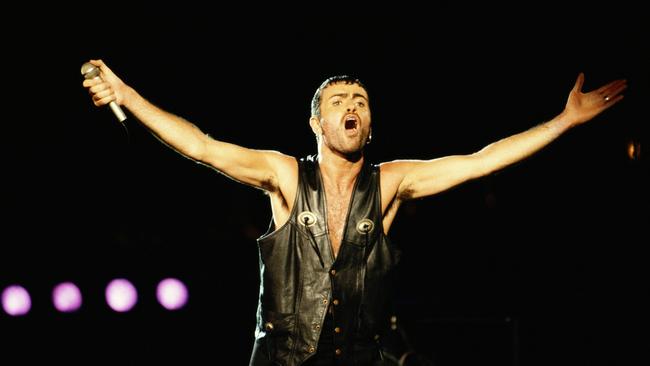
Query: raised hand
{"points": [[581, 107]]}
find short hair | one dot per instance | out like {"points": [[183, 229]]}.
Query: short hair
{"points": [[346, 79]]}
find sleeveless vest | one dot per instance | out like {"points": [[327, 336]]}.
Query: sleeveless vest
{"points": [[300, 278]]}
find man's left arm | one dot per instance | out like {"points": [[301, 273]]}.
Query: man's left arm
{"points": [[418, 178]]}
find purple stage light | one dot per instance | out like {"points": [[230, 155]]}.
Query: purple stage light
{"points": [[66, 297], [171, 294], [16, 300], [121, 295]]}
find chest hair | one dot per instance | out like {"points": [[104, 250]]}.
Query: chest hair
{"points": [[337, 211]]}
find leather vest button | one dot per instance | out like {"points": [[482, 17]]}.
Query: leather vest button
{"points": [[268, 326], [311, 349], [365, 226], [333, 272], [337, 330], [325, 301], [338, 351], [335, 301], [307, 218]]}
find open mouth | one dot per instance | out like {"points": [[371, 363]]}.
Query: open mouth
{"points": [[351, 122]]}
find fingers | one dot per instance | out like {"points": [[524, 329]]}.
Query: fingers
{"points": [[99, 63], [102, 94], [614, 92], [613, 88], [103, 101], [103, 68], [95, 85], [603, 89], [101, 91], [611, 101], [94, 89], [92, 82], [610, 94], [103, 97], [579, 82]]}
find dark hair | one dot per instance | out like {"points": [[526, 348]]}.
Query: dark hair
{"points": [[346, 79]]}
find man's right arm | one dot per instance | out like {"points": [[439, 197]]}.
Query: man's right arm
{"points": [[258, 168]]}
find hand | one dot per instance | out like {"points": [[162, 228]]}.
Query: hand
{"points": [[107, 88], [581, 107]]}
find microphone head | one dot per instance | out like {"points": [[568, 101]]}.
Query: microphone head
{"points": [[89, 71]]}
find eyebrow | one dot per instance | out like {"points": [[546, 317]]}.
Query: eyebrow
{"points": [[344, 95]]}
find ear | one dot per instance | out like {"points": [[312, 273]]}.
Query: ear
{"points": [[314, 122]]}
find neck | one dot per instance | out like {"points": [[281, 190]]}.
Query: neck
{"points": [[340, 170]]}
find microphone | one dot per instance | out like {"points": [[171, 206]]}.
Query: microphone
{"points": [[90, 71]]}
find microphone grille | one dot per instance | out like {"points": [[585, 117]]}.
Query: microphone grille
{"points": [[89, 71]]}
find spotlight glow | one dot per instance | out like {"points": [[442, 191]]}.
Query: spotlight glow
{"points": [[121, 295], [634, 150], [66, 297], [171, 293], [16, 300]]}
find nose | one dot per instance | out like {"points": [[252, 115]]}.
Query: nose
{"points": [[351, 107]]}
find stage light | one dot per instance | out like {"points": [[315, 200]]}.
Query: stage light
{"points": [[171, 293], [634, 150], [121, 295], [66, 297], [16, 300]]}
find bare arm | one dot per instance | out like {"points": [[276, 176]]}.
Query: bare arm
{"points": [[253, 167], [415, 179]]}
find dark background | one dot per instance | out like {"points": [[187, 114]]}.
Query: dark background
{"points": [[539, 264]]}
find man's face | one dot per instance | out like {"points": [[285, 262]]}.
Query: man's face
{"points": [[345, 118]]}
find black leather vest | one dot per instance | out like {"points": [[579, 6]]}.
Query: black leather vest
{"points": [[300, 277]]}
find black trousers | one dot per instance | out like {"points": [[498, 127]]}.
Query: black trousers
{"points": [[362, 355]]}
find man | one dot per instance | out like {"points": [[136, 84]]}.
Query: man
{"points": [[326, 261]]}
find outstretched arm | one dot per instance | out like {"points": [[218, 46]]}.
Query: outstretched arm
{"points": [[253, 167], [415, 179]]}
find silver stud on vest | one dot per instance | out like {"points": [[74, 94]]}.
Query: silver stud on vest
{"points": [[365, 226], [307, 218], [268, 326]]}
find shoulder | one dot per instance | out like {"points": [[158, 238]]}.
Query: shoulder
{"points": [[396, 168], [285, 178], [394, 176], [283, 164]]}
